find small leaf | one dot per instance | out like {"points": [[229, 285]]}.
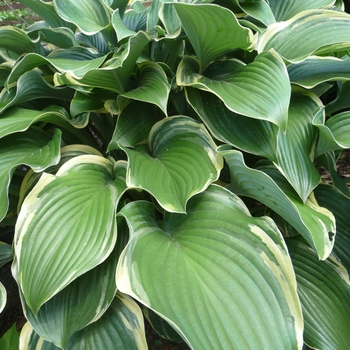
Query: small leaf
{"points": [[212, 30], [5, 253], [259, 90], [10, 340], [229, 271], [181, 160], [306, 33], [84, 195], [324, 292]]}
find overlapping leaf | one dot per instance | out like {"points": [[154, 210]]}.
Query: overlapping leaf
{"points": [[88, 15], [339, 204], [306, 33], [260, 90], [309, 219], [229, 271], [212, 30], [120, 327], [180, 161], [34, 148], [3, 297], [324, 292], [5, 253], [284, 10], [83, 194]]}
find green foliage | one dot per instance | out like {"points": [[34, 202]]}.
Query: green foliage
{"points": [[166, 156]]}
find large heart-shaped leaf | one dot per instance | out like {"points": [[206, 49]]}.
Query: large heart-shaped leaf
{"points": [[48, 256], [89, 16], [324, 292], [309, 219], [259, 90], [34, 148], [212, 30], [220, 277], [307, 32], [120, 327], [81, 303], [180, 161]]}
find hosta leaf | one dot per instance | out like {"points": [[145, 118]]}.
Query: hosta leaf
{"points": [[324, 292], [121, 327], [255, 136], [89, 16], [341, 102], [229, 271], [259, 90], [82, 103], [170, 20], [5, 253], [31, 86], [295, 147], [76, 61], [84, 194], [212, 30], [3, 297], [19, 119], [152, 86], [81, 303], [286, 9], [316, 70], [114, 76], [181, 160], [339, 204], [47, 12], [17, 41], [135, 17], [333, 134], [306, 33], [34, 148], [120, 28], [142, 114], [309, 219]]}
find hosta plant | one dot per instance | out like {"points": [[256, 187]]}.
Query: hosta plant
{"points": [[161, 160]]}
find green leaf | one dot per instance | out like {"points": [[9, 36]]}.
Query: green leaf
{"points": [[229, 271], [84, 195], [324, 292], [47, 12], [18, 42], [180, 161], [295, 147], [77, 61], [89, 16], [312, 221], [306, 33], [3, 298], [259, 90], [31, 86], [114, 75], [120, 28], [286, 9], [255, 136], [10, 340], [79, 304], [333, 134], [142, 114], [34, 148], [120, 327], [316, 70], [152, 86], [208, 26], [339, 204], [5, 253]]}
